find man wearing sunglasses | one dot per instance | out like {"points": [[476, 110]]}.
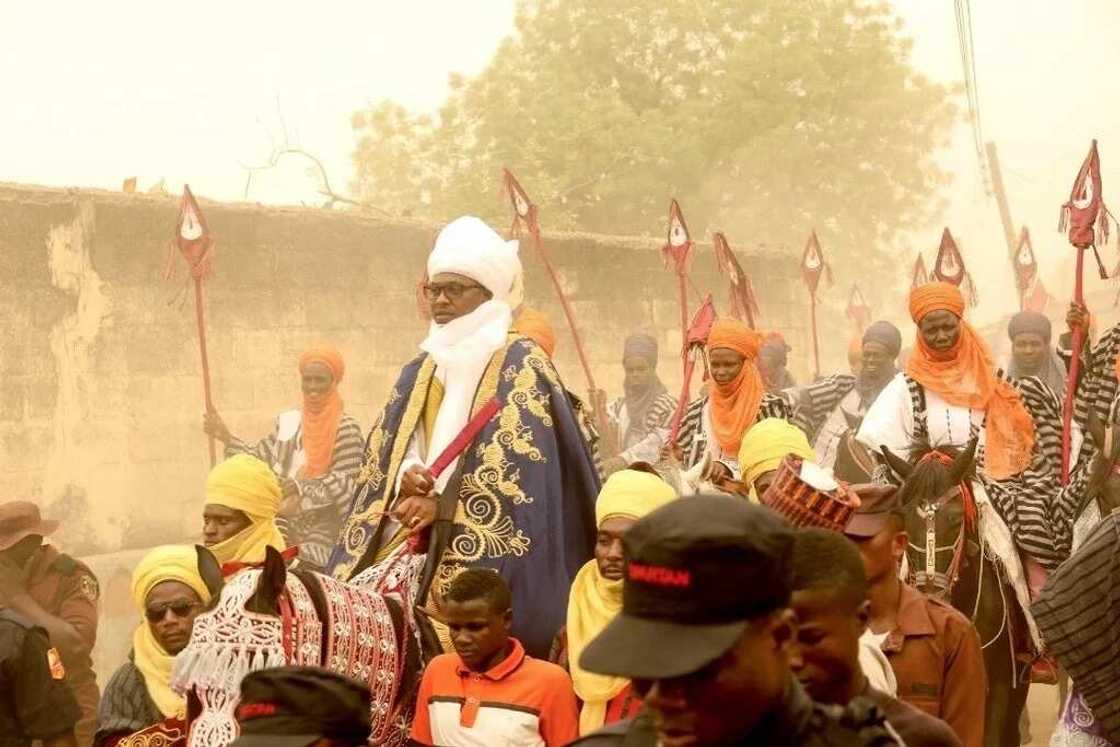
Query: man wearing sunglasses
{"points": [[169, 592], [520, 493]]}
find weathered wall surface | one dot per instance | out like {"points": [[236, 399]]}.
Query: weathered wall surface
{"points": [[101, 396]]}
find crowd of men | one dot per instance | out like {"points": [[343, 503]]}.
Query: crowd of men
{"points": [[760, 569]]}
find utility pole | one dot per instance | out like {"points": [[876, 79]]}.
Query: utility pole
{"points": [[1001, 199]]}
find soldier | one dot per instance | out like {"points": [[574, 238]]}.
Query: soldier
{"points": [[54, 592], [35, 702]]}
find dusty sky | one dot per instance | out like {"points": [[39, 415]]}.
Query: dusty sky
{"points": [[96, 92]]}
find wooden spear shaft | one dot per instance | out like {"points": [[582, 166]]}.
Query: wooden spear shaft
{"points": [[816, 343], [1074, 369], [201, 318], [568, 314]]}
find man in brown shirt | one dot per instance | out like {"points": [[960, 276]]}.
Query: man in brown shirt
{"points": [[54, 592], [934, 649]]}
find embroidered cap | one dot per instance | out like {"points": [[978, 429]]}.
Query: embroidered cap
{"points": [[297, 706], [698, 570]]}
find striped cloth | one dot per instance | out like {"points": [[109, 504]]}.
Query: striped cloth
{"points": [[693, 438], [324, 501], [1025, 502], [650, 439], [1097, 387], [1078, 613], [813, 403]]}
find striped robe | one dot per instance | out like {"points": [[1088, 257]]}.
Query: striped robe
{"points": [[323, 501], [694, 439], [655, 433]]}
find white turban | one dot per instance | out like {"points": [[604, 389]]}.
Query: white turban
{"points": [[467, 246]]}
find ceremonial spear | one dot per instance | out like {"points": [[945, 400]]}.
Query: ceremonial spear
{"points": [[812, 266], [743, 301], [196, 243], [859, 311], [949, 267], [525, 213], [921, 274], [1084, 209]]}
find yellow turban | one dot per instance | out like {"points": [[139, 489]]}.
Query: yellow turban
{"points": [[246, 484], [166, 563], [632, 494], [766, 444], [594, 601]]}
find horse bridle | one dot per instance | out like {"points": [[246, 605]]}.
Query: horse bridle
{"points": [[929, 579]]}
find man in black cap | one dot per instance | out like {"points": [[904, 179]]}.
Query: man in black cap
{"points": [[707, 635], [300, 707], [1032, 353]]}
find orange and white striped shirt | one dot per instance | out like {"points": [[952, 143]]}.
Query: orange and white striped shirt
{"points": [[521, 702]]}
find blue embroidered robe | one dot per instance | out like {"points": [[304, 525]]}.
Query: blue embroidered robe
{"points": [[526, 497]]}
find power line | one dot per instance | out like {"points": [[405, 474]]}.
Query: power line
{"points": [[963, 10]]}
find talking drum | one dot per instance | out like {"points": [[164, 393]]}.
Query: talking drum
{"points": [[809, 497]]}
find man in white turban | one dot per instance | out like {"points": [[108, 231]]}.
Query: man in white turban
{"points": [[522, 493]]}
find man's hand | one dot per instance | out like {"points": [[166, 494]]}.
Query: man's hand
{"points": [[718, 473], [289, 497], [417, 481], [13, 580], [1077, 317], [417, 512], [215, 427]]}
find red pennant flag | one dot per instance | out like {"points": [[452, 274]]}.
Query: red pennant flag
{"points": [[1086, 204], [524, 210], [678, 245], [1026, 266], [813, 264], [1036, 298], [921, 274], [193, 237], [859, 311], [949, 267], [743, 303]]}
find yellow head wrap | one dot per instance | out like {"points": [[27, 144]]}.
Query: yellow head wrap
{"points": [[246, 484], [594, 601], [766, 444], [166, 563]]}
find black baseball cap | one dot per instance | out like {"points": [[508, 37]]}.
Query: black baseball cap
{"points": [[295, 706], [698, 570], [877, 503]]}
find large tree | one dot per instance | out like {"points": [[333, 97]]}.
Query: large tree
{"points": [[765, 117]]}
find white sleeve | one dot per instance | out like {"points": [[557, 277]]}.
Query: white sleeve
{"points": [[890, 420], [411, 458]]}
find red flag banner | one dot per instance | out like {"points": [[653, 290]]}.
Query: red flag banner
{"points": [[678, 245], [813, 263], [859, 311], [524, 210], [949, 267], [743, 303], [193, 237], [1085, 215], [1026, 266], [921, 274], [1036, 297]]}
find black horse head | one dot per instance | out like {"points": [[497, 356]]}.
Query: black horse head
{"points": [[935, 510]]}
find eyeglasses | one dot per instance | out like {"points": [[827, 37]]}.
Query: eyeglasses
{"points": [[180, 607], [453, 291]]}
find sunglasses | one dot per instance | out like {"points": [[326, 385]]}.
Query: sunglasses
{"points": [[453, 291], [180, 607]]}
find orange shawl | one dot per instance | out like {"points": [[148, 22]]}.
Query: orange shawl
{"points": [[965, 377], [735, 405], [536, 326], [321, 414]]}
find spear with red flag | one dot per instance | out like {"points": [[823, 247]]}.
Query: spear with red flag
{"points": [[1032, 292], [949, 268], [695, 342], [196, 244], [677, 253], [743, 301], [859, 311], [812, 267], [1084, 215], [921, 274]]}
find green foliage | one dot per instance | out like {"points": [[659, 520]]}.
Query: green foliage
{"points": [[765, 118]]}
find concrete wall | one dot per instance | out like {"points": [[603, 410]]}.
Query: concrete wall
{"points": [[101, 396]]}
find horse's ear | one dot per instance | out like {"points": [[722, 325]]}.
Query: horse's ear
{"points": [[271, 585], [854, 420], [210, 570], [901, 467], [962, 465]]}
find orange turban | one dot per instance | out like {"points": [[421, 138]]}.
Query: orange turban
{"points": [[735, 405], [536, 326], [321, 414], [964, 376]]}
